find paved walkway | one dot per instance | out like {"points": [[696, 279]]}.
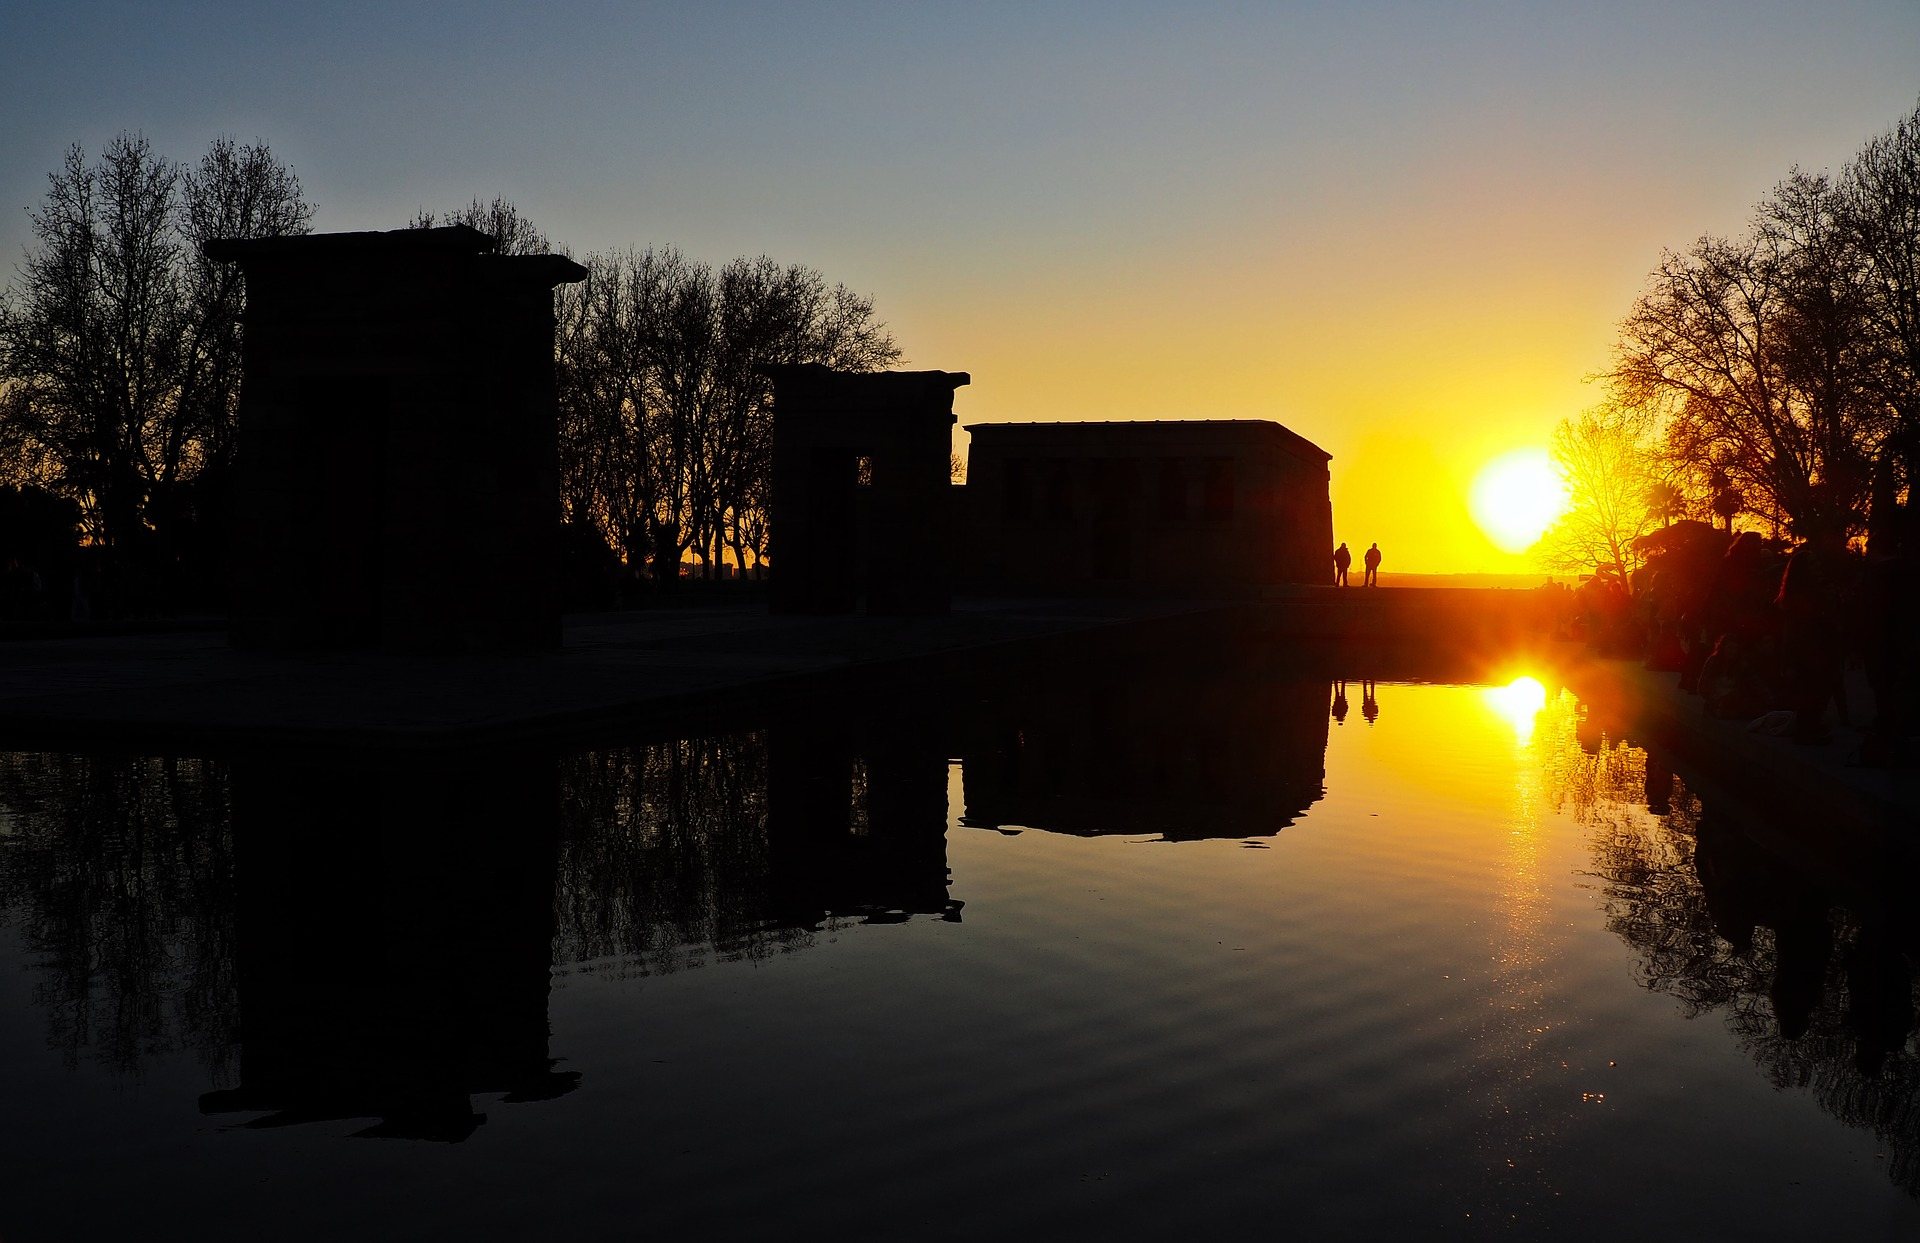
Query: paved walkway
{"points": [[188, 690]]}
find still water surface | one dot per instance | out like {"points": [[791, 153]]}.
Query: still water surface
{"points": [[1233, 954]]}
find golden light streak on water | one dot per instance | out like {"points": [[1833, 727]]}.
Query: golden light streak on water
{"points": [[1523, 956]]}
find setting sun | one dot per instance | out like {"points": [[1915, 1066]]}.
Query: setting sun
{"points": [[1517, 497]]}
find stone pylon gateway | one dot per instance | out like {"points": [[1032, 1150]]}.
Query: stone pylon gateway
{"points": [[397, 481], [862, 490]]}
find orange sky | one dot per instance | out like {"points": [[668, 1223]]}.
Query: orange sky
{"points": [[1404, 229], [1414, 372]]}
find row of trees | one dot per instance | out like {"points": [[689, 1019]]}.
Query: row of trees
{"points": [[1774, 375], [666, 421], [120, 364]]}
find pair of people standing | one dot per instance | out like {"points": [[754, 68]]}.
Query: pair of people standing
{"points": [[1342, 559]]}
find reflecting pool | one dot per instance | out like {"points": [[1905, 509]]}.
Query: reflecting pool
{"points": [[1078, 953]]}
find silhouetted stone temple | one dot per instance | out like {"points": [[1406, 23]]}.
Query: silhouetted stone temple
{"points": [[861, 476], [397, 478], [1193, 504]]}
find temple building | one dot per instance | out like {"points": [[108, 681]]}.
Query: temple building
{"points": [[1196, 505], [861, 471], [397, 484]]}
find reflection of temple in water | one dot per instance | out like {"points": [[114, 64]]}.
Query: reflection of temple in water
{"points": [[857, 819], [397, 925], [375, 938], [1203, 752], [392, 940]]}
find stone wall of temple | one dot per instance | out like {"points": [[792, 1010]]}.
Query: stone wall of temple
{"points": [[1199, 505], [397, 481]]}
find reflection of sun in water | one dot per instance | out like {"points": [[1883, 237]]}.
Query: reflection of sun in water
{"points": [[1516, 497], [1521, 1045], [1517, 703]]}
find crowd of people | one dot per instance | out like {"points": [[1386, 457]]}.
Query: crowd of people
{"points": [[1758, 627]]}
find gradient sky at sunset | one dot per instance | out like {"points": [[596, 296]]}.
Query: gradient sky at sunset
{"points": [[1406, 230]]}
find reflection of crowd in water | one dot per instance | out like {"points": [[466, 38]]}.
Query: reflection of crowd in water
{"points": [[1816, 980], [1755, 627], [1369, 701]]}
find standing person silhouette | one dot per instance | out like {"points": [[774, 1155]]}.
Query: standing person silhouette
{"points": [[1341, 560], [1372, 577]]}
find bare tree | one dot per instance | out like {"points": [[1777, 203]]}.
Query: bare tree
{"points": [[84, 336], [235, 191], [1759, 356], [667, 419], [512, 232], [1613, 493], [119, 346], [1880, 209], [1834, 360], [769, 313], [611, 474]]}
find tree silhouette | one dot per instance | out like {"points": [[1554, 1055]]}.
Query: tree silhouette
{"points": [[666, 439], [1783, 365], [512, 232], [119, 346], [1880, 210], [1710, 915], [1753, 350], [1612, 490]]}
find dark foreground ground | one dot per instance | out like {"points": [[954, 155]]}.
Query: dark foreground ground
{"points": [[188, 688]]}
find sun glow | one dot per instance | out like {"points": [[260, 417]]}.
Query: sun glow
{"points": [[1516, 497], [1518, 703]]}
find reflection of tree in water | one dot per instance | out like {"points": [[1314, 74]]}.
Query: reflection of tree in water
{"points": [[118, 874], [1821, 998], [123, 880], [663, 855]]}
